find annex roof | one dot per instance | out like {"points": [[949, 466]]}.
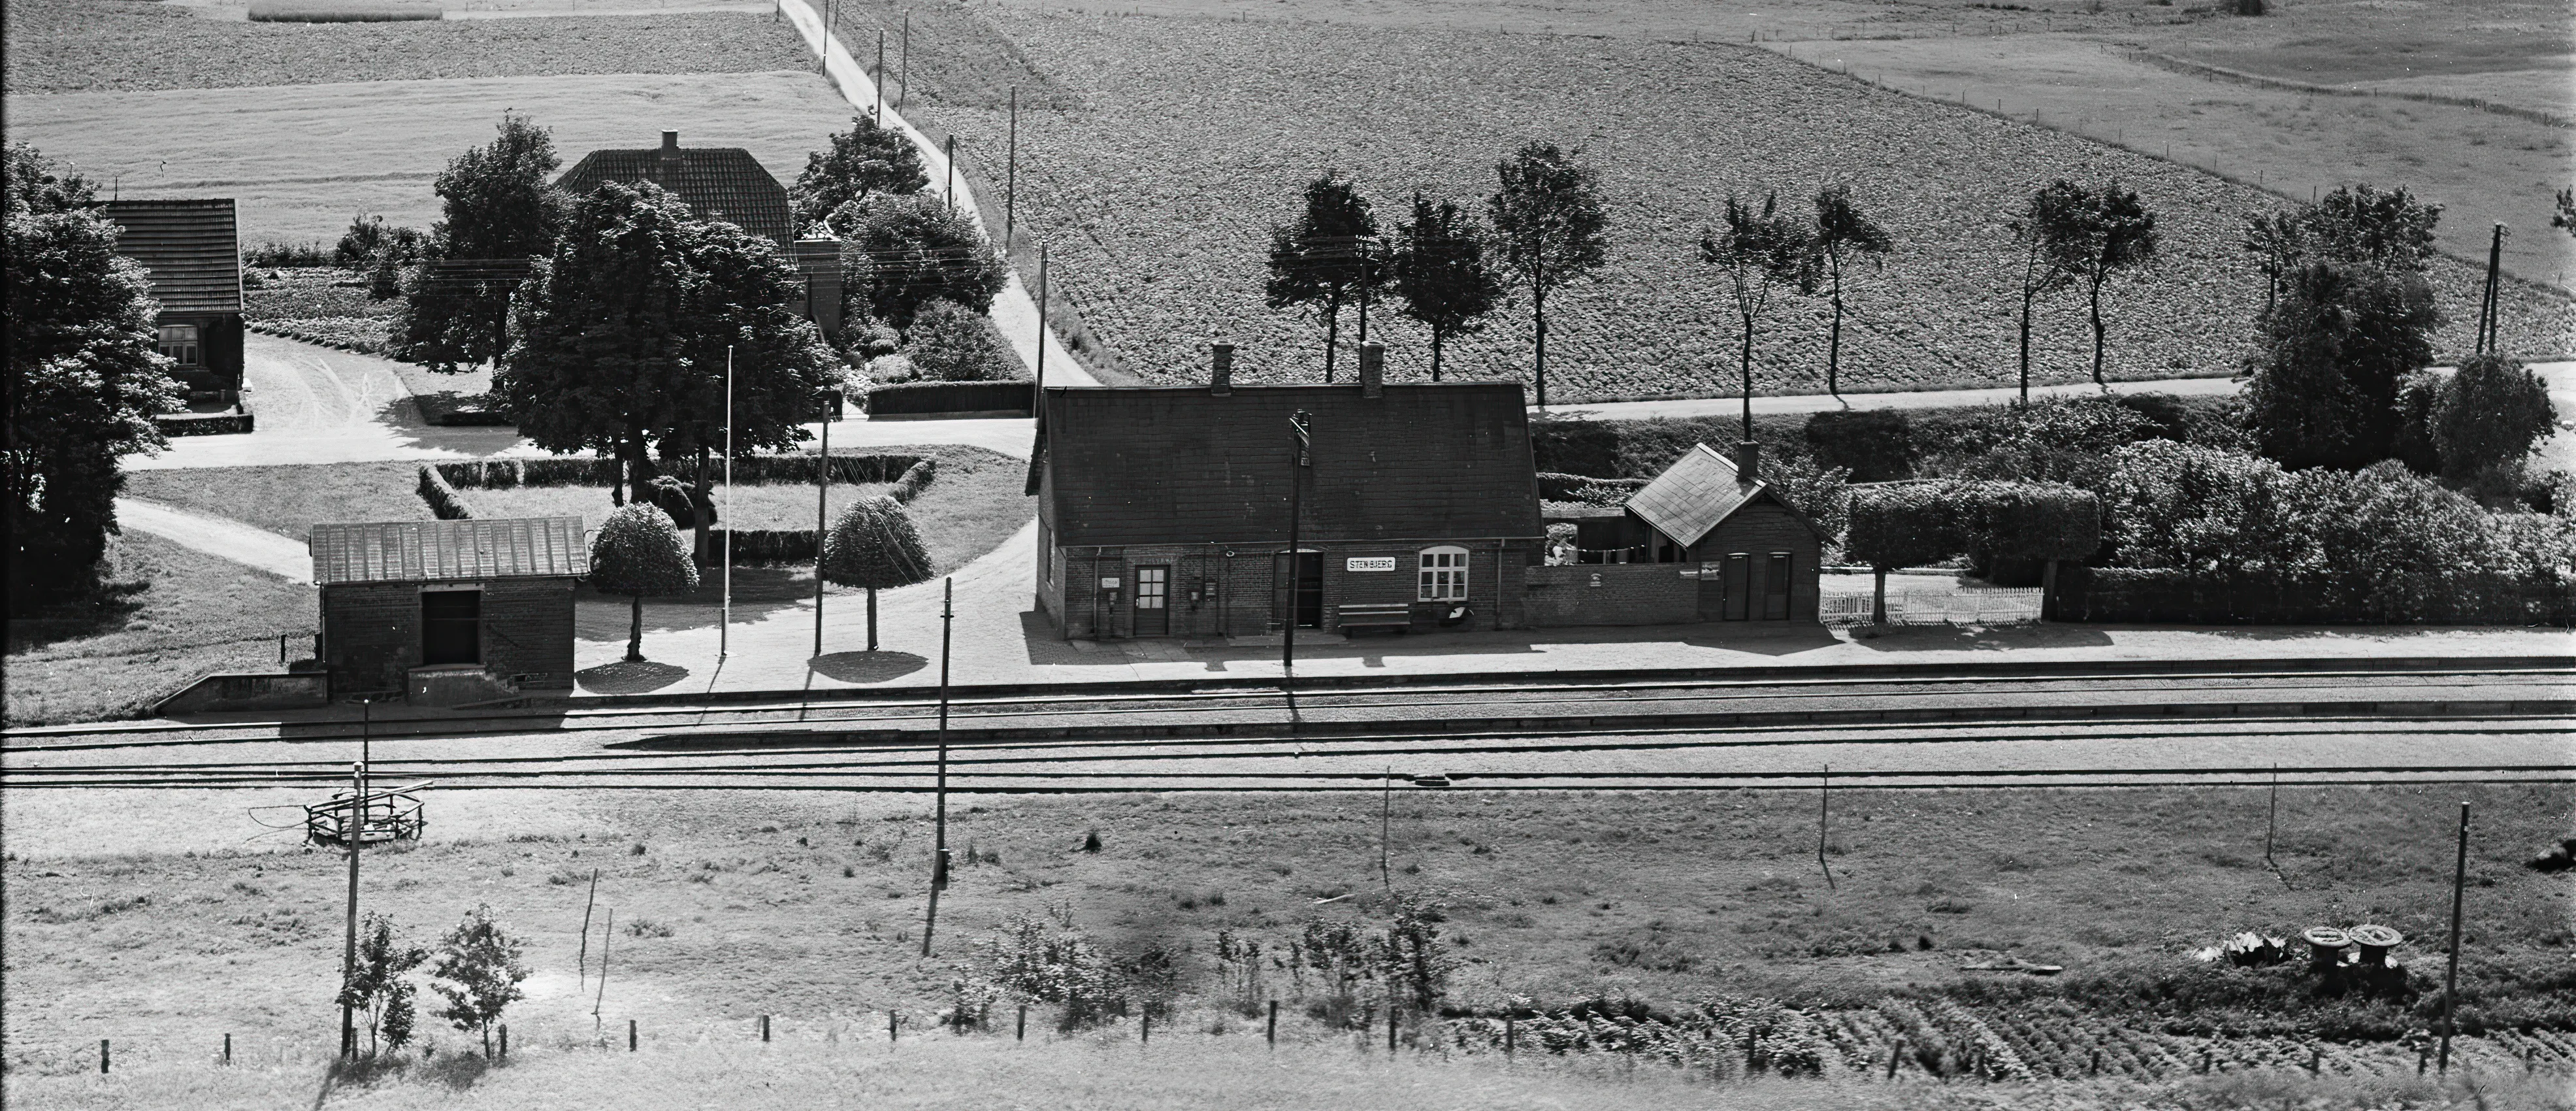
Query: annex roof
{"points": [[191, 247], [445, 551], [1182, 465], [1693, 496], [717, 183]]}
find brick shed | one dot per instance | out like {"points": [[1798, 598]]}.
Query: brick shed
{"points": [[448, 610], [1164, 510], [1707, 540]]}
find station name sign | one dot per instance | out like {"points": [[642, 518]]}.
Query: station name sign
{"points": [[1369, 563]]}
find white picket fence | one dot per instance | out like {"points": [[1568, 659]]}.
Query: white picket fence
{"points": [[1956, 605]]}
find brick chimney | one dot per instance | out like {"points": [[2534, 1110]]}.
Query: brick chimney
{"points": [[819, 262], [1221, 370], [1748, 462], [670, 146], [1372, 369]]}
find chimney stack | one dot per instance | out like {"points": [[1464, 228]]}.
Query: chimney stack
{"points": [[1221, 371], [670, 146], [1748, 462], [1372, 369]]}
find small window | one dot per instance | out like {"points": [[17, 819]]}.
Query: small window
{"points": [[1444, 575], [179, 342]]}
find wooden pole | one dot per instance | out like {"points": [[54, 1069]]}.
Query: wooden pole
{"points": [[948, 154], [1824, 815], [605, 937], [822, 522], [352, 821], [903, 94], [724, 618], [630, 1035], [1272, 1032], [1022, 1034], [939, 848], [1040, 384], [102, 1056], [2272, 820], [764, 1028], [1385, 831], [582, 963], [1296, 576], [228, 1049], [1010, 179], [2451, 976], [879, 82]]}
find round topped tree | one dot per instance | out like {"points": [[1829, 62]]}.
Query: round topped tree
{"points": [[639, 552]]}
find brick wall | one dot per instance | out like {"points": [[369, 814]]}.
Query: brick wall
{"points": [[1235, 592], [1612, 594], [371, 632]]}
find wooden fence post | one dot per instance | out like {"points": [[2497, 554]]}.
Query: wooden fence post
{"points": [[505, 1041], [1023, 1034], [1273, 1032], [894, 1022], [102, 1057], [1894, 1055], [1511, 1037], [764, 1028], [630, 1035]]}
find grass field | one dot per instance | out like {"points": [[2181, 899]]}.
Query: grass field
{"points": [[172, 614], [64, 45], [806, 906], [1199, 120], [289, 500], [390, 139]]}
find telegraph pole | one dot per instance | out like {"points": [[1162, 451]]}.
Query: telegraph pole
{"points": [[879, 80], [948, 154], [1040, 384], [904, 93], [353, 827], [939, 845], [1300, 423], [1011, 178], [822, 521], [724, 618], [2451, 978]]}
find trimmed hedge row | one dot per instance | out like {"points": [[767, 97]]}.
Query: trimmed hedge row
{"points": [[209, 424], [2161, 596], [1587, 490], [759, 546], [950, 399], [443, 500], [502, 474], [1918, 523]]}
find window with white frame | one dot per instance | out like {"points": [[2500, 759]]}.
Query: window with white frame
{"points": [[1444, 575], [179, 342]]}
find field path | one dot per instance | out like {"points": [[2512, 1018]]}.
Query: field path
{"points": [[221, 537], [1013, 311]]}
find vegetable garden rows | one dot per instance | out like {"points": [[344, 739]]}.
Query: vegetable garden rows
{"points": [[1194, 136], [2043, 1040]]}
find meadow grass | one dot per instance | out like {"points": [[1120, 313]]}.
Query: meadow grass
{"points": [[289, 499], [168, 615], [390, 139]]}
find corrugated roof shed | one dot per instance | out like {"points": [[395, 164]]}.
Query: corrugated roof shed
{"points": [[192, 248], [445, 551], [1693, 496], [1180, 465], [717, 183]]}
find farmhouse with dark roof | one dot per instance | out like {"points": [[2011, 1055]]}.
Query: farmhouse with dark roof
{"points": [[1165, 510], [191, 251], [717, 183]]}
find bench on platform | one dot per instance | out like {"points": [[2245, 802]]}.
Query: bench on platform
{"points": [[1374, 615]]}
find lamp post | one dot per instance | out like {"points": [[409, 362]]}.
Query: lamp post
{"points": [[724, 617], [1300, 424]]}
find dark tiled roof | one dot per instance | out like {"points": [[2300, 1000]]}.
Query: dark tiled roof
{"points": [[434, 551], [191, 247], [1693, 496], [717, 183], [1179, 465]]}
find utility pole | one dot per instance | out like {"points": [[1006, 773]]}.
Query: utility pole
{"points": [[949, 155], [353, 827], [1301, 423], [1011, 178], [724, 617], [1385, 833], [2487, 306], [1040, 384], [822, 521], [939, 844], [1824, 816], [903, 95], [2451, 978], [879, 79]]}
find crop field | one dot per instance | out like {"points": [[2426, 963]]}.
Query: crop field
{"points": [[70, 45], [390, 139], [1213, 127], [166, 919], [2482, 167]]}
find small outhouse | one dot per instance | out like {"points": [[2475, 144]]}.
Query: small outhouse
{"points": [[448, 611]]}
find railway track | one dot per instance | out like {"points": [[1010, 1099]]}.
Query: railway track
{"points": [[1112, 711]]}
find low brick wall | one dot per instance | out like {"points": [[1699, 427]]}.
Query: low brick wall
{"points": [[1611, 594]]}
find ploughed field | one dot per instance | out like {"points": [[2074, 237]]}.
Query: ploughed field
{"points": [[1192, 137]]}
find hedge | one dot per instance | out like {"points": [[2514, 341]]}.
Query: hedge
{"points": [[1903, 525], [2160, 596], [2026, 520], [758, 546], [501, 474], [1587, 490], [205, 424], [442, 497], [951, 399]]}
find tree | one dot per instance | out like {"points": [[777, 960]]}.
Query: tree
{"points": [[2043, 271], [1758, 250], [1844, 237], [85, 378], [2565, 218], [378, 987], [1326, 257], [1548, 215], [2329, 362], [949, 342], [1905, 525], [2195, 508], [638, 552], [624, 335], [499, 212], [2488, 415], [2388, 229], [481, 966], [874, 545], [1441, 272], [2276, 240], [866, 159], [2096, 236], [902, 252]]}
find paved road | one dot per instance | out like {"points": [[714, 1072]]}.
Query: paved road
{"points": [[220, 536]]}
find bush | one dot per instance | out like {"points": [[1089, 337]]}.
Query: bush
{"points": [[277, 254], [951, 343], [1874, 445], [932, 399], [902, 252], [638, 552], [444, 503], [1906, 525], [2026, 520], [1586, 490], [875, 545], [2489, 415]]}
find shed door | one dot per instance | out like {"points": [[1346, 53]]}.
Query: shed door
{"points": [[1775, 588], [1153, 601], [1739, 585], [1300, 592], [451, 626]]}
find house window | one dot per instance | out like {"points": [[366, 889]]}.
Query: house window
{"points": [[1444, 575], [179, 341]]}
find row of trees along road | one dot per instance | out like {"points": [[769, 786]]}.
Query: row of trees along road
{"points": [[85, 378]]}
